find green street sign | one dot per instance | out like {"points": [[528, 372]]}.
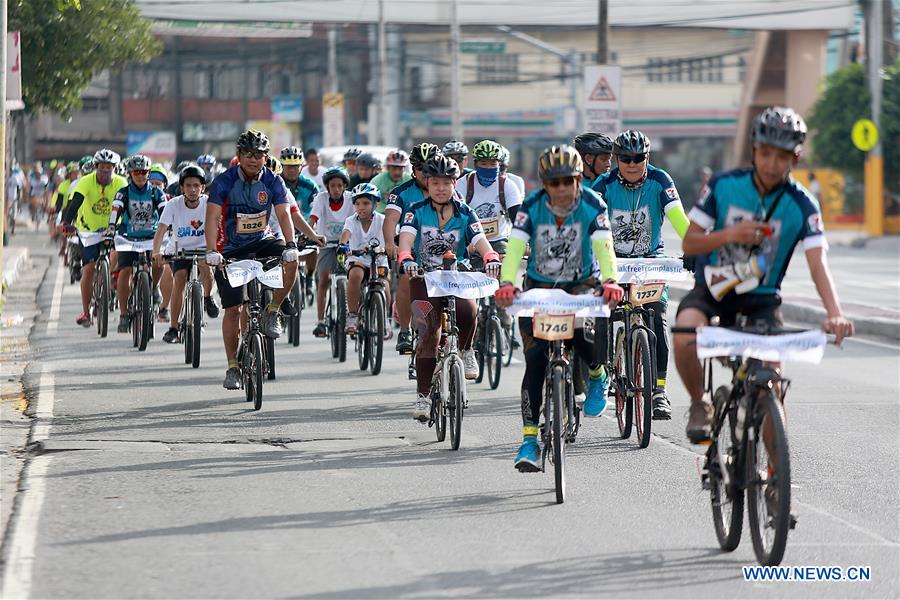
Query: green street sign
{"points": [[482, 46]]}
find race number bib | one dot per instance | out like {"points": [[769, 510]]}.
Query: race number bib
{"points": [[491, 228], [250, 223], [554, 327], [647, 293]]}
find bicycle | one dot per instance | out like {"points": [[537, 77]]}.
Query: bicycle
{"points": [[73, 256], [510, 343], [251, 354], [489, 342], [190, 322], [102, 295], [300, 295], [141, 306], [370, 332], [336, 312], [738, 460]]}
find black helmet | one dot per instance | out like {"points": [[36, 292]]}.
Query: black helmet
{"points": [[592, 143], [455, 148], [780, 127], [631, 141], [368, 160], [192, 170], [352, 154], [441, 166], [253, 140], [336, 172], [422, 152], [559, 161], [138, 162]]}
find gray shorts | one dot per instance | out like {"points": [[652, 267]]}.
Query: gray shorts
{"points": [[327, 260]]}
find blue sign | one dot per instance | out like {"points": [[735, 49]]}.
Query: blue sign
{"points": [[287, 108]]}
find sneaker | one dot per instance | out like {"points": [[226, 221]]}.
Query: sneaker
{"points": [[470, 363], [422, 408], [287, 307], [528, 460], [595, 399], [124, 324], [352, 323], [699, 425], [84, 319], [272, 324], [404, 342], [232, 379], [171, 336], [164, 315], [320, 331], [212, 309], [662, 409]]}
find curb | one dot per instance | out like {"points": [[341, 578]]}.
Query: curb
{"points": [[885, 329], [14, 260]]}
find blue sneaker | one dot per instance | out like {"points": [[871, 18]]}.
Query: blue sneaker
{"points": [[595, 401], [529, 457]]}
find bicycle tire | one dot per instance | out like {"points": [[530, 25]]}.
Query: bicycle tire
{"points": [[439, 416], [642, 378], [102, 300], [257, 366], [144, 309], [768, 552], [618, 379], [341, 320], [195, 324], [727, 505], [187, 332], [294, 322], [509, 335], [456, 402], [479, 346], [375, 337], [362, 337], [494, 352], [245, 362], [557, 392], [330, 324]]}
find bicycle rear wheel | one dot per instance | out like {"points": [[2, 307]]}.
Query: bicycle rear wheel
{"points": [[508, 336], [456, 402], [642, 378], [256, 364], [375, 333], [195, 324], [494, 352], [331, 323], [618, 380], [185, 329], [294, 322], [362, 337], [102, 299], [144, 314], [727, 500], [341, 320], [557, 428], [768, 481]]}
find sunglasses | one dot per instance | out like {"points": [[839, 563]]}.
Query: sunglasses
{"points": [[631, 158], [560, 182], [141, 172], [253, 154]]}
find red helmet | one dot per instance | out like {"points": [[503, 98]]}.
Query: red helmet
{"points": [[397, 158]]}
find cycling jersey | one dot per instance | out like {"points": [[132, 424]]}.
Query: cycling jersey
{"points": [[188, 231], [245, 205], [731, 197], [139, 210], [562, 250], [404, 196], [385, 184], [433, 240], [485, 201], [38, 184], [274, 225], [330, 221], [636, 213], [304, 191], [94, 202]]}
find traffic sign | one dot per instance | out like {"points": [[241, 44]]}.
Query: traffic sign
{"points": [[602, 103], [864, 134]]}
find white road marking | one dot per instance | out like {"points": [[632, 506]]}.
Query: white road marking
{"points": [[56, 301], [23, 538]]}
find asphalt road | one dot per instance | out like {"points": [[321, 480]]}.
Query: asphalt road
{"points": [[155, 482]]}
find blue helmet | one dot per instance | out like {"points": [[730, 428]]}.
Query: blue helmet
{"points": [[206, 160], [366, 189], [335, 172], [631, 141]]}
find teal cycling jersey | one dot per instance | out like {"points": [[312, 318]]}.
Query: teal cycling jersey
{"points": [[561, 248], [636, 213], [404, 196], [304, 190], [731, 197], [139, 210], [433, 240]]}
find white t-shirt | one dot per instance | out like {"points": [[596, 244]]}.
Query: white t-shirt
{"points": [[520, 183], [359, 239], [188, 231], [486, 204], [331, 223], [317, 177], [274, 225]]}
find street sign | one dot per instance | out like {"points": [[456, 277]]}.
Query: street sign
{"points": [[482, 46], [333, 119], [14, 71], [287, 108], [864, 134], [602, 107]]}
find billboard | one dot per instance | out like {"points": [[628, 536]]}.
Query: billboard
{"points": [[158, 145]]}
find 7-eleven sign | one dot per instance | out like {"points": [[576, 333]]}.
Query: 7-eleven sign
{"points": [[602, 108]]}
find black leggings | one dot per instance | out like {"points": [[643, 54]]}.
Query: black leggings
{"points": [[659, 329]]}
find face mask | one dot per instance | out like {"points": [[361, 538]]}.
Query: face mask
{"points": [[103, 178], [487, 175]]}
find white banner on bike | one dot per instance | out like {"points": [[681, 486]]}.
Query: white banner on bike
{"points": [[651, 269], [245, 271], [558, 302], [461, 284], [125, 245], [91, 238], [806, 347]]}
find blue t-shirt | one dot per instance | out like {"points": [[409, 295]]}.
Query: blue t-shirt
{"points": [[304, 190], [731, 197], [636, 214], [245, 205], [561, 249], [432, 240], [404, 196], [139, 209]]}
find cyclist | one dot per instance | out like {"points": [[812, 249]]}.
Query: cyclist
{"points": [[173, 189], [639, 196], [303, 189], [349, 161], [240, 201], [138, 204], [360, 230], [185, 215], [504, 170], [459, 152], [596, 153], [331, 209], [62, 190], [208, 163], [39, 186], [400, 199], [432, 227], [395, 174], [312, 168], [367, 167], [743, 230], [159, 177], [568, 229]]}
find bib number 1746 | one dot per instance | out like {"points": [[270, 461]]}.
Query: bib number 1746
{"points": [[554, 327]]}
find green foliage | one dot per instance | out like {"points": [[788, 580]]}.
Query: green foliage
{"points": [[890, 124], [66, 42]]}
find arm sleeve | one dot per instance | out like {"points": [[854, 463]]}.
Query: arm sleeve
{"points": [[606, 258], [677, 217], [515, 251], [72, 207]]}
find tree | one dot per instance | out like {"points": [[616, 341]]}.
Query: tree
{"points": [[66, 42]]}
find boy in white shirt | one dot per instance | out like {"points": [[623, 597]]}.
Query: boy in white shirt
{"points": [[186, 215], [361, 230], [330, 209]]}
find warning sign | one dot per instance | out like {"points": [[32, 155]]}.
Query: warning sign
{"points": [[602, 108]]}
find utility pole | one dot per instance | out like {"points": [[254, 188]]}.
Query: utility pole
{"points": [[603, 32], [456, 128], [3, 122], [382, 76], [332, 59], [874, 167]]}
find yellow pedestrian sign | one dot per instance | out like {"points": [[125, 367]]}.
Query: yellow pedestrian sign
{"points": [[864, 134]]}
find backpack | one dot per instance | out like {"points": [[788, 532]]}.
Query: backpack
{"points": [[501, 183]]}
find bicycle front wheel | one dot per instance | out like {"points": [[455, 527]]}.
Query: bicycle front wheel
{"points": [[375, 333], [727, 499], [144, 309], [362, 337], [618, 380], [768, 480], [256, 367], [493, 352], [293, 324], [102, 300], [456, 402], [341, 321], [195, 324], [642, 380], [508, 336], [184, 325], [557, 429]]}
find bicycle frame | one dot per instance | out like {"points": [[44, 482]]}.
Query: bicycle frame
{"points": [[633, 318]]}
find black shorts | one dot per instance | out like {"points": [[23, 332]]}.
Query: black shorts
{"points": [[126, 260], [756, 307], [180, 265], [264, 248]]}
